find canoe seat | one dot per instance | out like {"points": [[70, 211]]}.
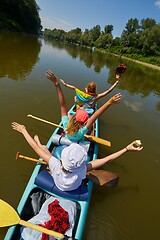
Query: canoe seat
{"points": [[45, 181]]}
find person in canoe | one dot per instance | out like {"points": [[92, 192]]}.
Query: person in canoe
{"points": [[88, 99], [69, 172], [76, 126]]}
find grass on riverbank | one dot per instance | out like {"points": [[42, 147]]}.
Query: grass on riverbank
{"points": [[152, 62]]}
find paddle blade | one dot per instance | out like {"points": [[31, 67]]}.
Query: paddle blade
{"points": [[103, 178], [8, 216], [120, 69], [98, 140]]}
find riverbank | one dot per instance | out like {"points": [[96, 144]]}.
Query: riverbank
{"points": [[133, 60]]}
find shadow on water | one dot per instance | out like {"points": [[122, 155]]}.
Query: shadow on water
{"points": [[19, 55]]}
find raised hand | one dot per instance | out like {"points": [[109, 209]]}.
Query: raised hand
{"points": [[18, 127], [50, 75], [131, 147], [115, 99]]}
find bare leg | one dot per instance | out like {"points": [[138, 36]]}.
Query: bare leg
{"points": [[36, 139]]}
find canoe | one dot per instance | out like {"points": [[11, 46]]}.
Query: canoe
{"points": [[38, 185]]}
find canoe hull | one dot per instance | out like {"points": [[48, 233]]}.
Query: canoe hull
{"points": [[31, 187]]}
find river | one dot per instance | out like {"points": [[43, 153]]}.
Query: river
{"points": [[131, 210]]}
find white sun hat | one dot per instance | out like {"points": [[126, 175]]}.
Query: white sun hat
{"points": [[74, 158]]}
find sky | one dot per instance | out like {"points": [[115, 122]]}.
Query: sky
{"points": [[85, 14]]}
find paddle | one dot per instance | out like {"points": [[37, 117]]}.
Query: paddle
{"points": [[92, 138], [9, 217], [120, 69], [103, 178], [18, 155], [100, 177]]}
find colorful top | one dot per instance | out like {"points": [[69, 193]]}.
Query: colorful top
{"points": [[82, 97]]}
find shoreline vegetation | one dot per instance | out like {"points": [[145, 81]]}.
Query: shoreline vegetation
{"points": [[139, 41], [137, 61], [22, 16]]}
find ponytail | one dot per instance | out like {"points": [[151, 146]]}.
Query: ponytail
{"points": [[73, 126]]}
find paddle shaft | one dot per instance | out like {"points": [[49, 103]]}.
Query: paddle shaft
{"points": [[41, 229], [45, 121], [90, 137], [30, 159], [100, 177], [9, 217]]}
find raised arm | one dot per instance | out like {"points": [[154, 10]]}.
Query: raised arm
{"points": [[100, 162], [115, 99], [67, 85], [50, 75], [38, 149], [100, 95]]}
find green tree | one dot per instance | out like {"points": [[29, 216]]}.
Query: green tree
{"points": [[116, 41], [104, 40], [129, 36], [74, 36], [86, 38], [150, 41], [20, 15], [95, 32], [148, 23], [108, 29]]}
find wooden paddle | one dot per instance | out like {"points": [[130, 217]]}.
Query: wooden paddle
{"points": [[100, 177], [18, 155], [91, 138], [103, 178], [9, 217]]}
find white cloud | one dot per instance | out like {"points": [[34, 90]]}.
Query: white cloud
{"points": [[157, 3], [52, 23]]}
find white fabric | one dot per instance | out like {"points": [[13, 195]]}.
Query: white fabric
{"points": [[59, 140], [74, 158], [43, 216], [65, 181]]}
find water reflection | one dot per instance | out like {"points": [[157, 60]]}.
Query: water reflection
{"points": [[19, 53], [115, 213], [91, 59], [138, 79], [158, 106], [135, 106]]}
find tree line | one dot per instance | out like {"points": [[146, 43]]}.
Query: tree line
{"points": [[20, 16], [139, 40]]}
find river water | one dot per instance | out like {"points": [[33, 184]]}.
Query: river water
{"points": [[131, 210]]}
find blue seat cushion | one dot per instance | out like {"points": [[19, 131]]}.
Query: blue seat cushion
{"points": [[45, 181]]}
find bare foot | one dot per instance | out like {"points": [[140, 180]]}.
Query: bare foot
{"points": [[36, 139]]}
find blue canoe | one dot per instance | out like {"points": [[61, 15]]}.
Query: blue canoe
{"points": [[42, 182]]}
